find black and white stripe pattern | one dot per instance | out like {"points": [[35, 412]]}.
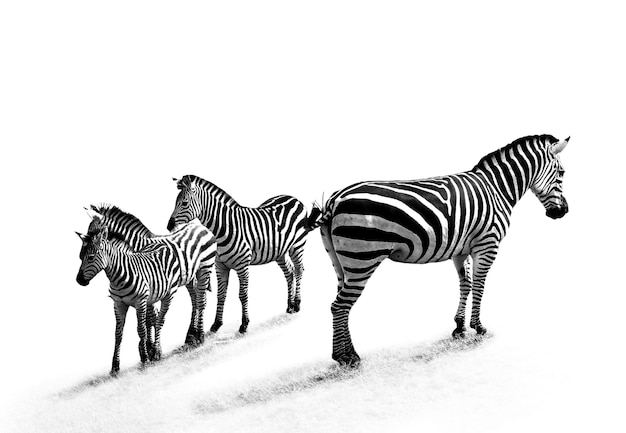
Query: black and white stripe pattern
{"points": [[140, 279], [128, 228], [462, 217], [273, 232]]}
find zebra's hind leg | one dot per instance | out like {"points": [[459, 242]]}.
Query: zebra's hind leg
{"points": [[222, 273], [356, 271], [191, 339], [482, 263], [296, 256], [165, 305], [151, 318], [463, 268], [288, 270], [243, 274], [142, 306]]}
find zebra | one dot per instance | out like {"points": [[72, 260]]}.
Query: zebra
{"points": [[130, 229], [273, 232], [141, 278], [462, 217]]}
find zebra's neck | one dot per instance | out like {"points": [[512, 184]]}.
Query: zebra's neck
{"points": [[511, 170], [218, 211], [118, 263]]}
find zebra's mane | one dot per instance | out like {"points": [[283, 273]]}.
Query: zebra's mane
{"points": [[543, 139], [210, 187], [113, 214]]}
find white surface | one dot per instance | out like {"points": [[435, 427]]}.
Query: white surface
{"points": [[107, 103]]}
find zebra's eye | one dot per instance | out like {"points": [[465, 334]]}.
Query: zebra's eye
{"points": [[185, 203]]}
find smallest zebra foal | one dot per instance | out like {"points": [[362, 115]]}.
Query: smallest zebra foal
{"points": [[140, 279]]}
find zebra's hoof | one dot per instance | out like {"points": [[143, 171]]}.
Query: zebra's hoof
{"points": [[194, 339], [290, 309], [458, 333], [216, 326], [243, 329], [296, 305], [348, 359], [480, 329]]}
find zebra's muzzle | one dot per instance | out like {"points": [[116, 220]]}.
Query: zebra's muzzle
{"points": [[80, 279], [558, 211], [171, 224]]}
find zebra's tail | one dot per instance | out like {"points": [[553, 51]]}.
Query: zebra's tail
{"points": [[319, 215]]}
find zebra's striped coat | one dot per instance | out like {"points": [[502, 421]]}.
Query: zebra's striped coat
{"points": [[462, 217], [273, 232], [139, 279]]}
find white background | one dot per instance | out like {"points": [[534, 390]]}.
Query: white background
{"points": [[106, 102]]}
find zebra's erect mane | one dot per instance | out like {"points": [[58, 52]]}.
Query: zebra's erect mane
{"points": [[112, 214], [544, 138], [210, 187]]}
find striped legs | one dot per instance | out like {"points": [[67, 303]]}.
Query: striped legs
{"points": [[142, 308], [165, 305], [296, 254], [243, 275], [197, 292], [482, 263], [151, 318], [463, 268], [190, 338], [353, 274], [286, 265], [120, 310], [222, 273], [355, 280]]}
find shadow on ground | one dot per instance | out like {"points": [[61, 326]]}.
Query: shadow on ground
{"points": [[307, 378], [198, 356]]}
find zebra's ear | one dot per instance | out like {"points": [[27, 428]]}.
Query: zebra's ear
{"points": [[82, 237], [192, 186], [93, 214], [179, 183], [559, 146]]}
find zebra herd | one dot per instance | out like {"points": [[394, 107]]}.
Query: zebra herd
{"points": [[462, 217]]}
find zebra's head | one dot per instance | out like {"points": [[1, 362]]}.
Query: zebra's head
{"points": [[91, 255], [548, 183], [188, 203]]}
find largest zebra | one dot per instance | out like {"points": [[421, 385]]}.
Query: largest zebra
{"points": [[462, 217], [273, 232]]}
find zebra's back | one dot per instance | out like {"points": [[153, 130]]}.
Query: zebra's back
{"points": [[269, 231], [417, 221]]}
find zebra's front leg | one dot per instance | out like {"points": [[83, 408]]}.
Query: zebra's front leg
{"points": [[463, 268], [222, 273], [165, 306], [120, 310], [201, 289], [482, 263], [243, 275], [190, 338], [287, 267], [142, 307]]}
